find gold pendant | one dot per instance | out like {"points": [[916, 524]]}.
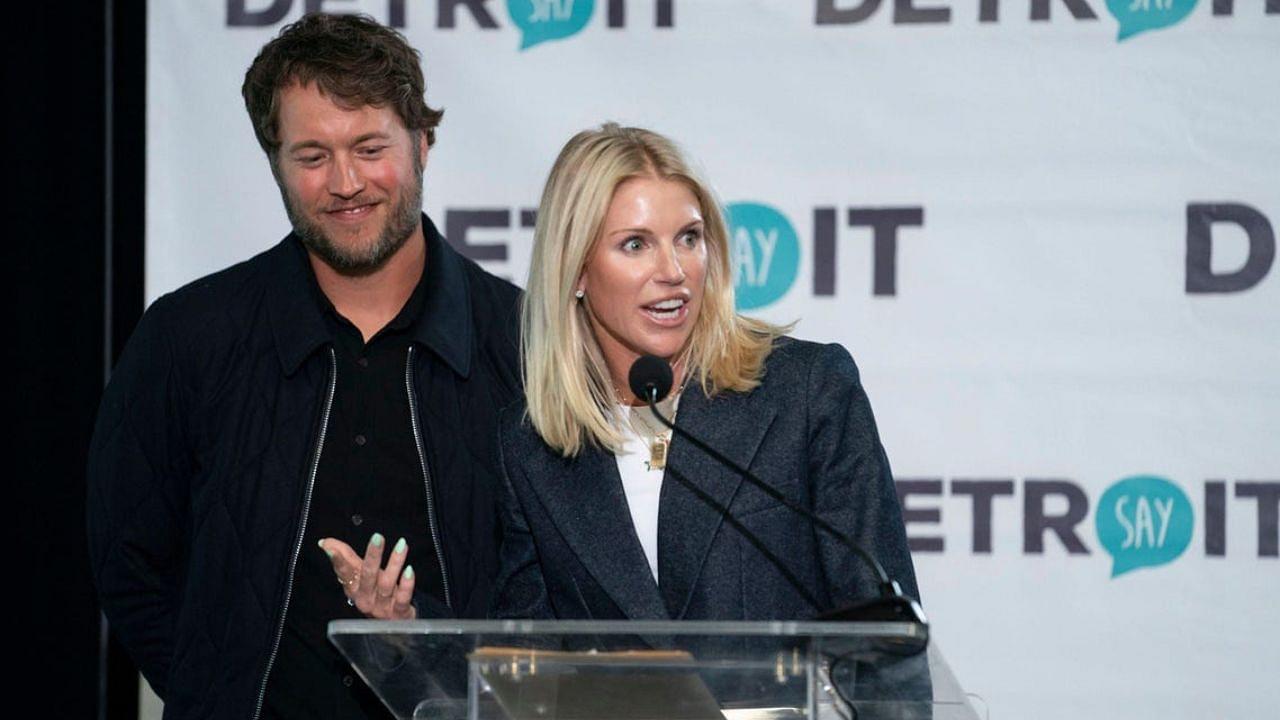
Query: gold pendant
{"points": [[658, 453]]}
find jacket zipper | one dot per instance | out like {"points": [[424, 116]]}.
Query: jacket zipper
{"points": [[426, 477], [302, 529]]}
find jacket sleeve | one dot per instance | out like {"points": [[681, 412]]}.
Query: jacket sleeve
{"points": [[520, 591], [853, 485], [138, 474]]}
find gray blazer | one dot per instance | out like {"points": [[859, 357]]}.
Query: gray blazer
{"points": [[569, 549]]}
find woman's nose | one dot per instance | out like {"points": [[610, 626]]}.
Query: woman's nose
{"points": [[669, 268]]}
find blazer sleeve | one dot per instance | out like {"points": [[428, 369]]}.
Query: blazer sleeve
{"points": [[138, 473], [852, 484], [520, 592]]}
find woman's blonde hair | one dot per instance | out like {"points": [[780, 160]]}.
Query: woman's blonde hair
{"points": [[571, 399]]}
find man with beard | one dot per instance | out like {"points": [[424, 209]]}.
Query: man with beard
{"points": [[308, 435]]}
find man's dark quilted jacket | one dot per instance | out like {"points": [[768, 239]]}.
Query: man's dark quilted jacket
{"points": [[203, 446]]}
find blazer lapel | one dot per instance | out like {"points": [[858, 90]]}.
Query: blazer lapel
{"points": [[585, 500], [733, 424]]}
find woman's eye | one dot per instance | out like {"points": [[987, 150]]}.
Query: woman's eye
{"points": [[691, 237], [632, 244]]}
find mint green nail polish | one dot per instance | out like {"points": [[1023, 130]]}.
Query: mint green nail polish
{"points": [[401, 546], [326, 550], [408, 572], [377, 540]]}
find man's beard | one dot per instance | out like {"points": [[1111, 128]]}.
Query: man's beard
{"points": [[402, 220]]}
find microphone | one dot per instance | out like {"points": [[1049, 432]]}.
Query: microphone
{"points": [[651, 379]]}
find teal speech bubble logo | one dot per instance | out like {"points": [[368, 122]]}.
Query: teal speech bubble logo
{"points": [[763, 253], [543, 20], [1144, 521], [1138, 16]]}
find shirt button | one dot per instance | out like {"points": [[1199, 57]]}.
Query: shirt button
{"points": [[363, 362], [357, 519], [347, 680], [360, 440]]}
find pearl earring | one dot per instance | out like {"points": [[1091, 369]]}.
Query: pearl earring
{"points": [[579, 294]]}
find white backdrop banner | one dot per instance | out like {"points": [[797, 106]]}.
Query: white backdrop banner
{"points": [[1046, 229]]}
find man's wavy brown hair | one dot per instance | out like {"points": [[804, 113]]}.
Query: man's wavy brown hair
{"points": [[352, 59]]}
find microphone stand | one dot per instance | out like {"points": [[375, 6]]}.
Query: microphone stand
{"points": [[891, 605]]}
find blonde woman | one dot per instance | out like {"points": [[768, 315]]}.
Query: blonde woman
{"points": [[630, 258]]}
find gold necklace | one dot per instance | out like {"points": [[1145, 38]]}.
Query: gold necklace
{"points": [[658, 440]]}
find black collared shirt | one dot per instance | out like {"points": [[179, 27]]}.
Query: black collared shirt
{"points": [[370, 479]]}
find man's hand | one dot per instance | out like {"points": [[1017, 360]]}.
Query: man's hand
{"points": [[383, 594]]}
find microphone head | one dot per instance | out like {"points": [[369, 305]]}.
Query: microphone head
{"points": [[650, 378]]}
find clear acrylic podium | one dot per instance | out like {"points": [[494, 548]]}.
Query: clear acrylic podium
{"points": [[646, 670]]}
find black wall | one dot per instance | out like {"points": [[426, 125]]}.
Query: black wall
{"points": [[74, 107]]}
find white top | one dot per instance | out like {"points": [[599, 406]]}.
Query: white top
{"points": [[643, 488]]}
